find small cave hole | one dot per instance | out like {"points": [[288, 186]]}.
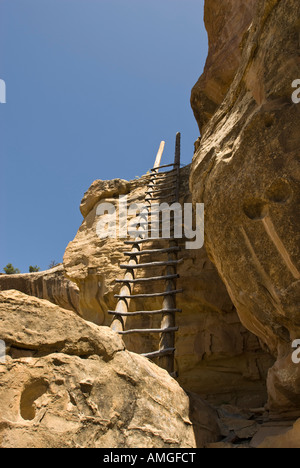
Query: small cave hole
{"points": [[280, 191], [255, 209], [269, 121], [30, 394]]}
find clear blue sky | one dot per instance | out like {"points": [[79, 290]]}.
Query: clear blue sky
{"points": [[93, 86]]}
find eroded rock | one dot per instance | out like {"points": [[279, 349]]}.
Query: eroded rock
{"points": [[103, 397], [226, 23], [247, 173], [289, 438], [28, 324], [51, 285]]}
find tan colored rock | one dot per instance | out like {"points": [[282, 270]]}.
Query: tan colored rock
{"points": [[270, 430], [215, 356], [101, 189], [39, 327], [93, 263], [102, 397], [284, 387], [290, 439], [247, 173], [226, 23], [51, 285]]}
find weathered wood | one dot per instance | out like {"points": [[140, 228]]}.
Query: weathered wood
{"points": [[167, 341], [143, 312], [148, 330], [154, 251], [146, 280], [150, 222], [149, 239], [161, 179], [149, 265], [162, 167], [139, 296], [177, 164], [163, 197], [162, 175], [163, 188], [159, 155], [156, 354]]}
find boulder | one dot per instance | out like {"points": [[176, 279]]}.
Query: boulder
{"points": [[79, 388]]}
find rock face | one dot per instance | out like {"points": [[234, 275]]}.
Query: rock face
{"points": [[215, 356], [247, 172], [226, 23], [93, 263], [50, 285], [67, 383], [289, 439]]}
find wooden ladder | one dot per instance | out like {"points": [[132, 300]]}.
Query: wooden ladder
{"points": [[162, 187]]}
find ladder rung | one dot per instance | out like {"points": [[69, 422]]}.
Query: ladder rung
{"points": [[164, 189], [160, 199], [173, 172], [157, 192], [157, 198], [150, 239], [163, 184], [149, 330], [145, 280], [156, 181], [154, 214], [162, 167], [153, 264], [139, 296], [144, 312], [154, 223], [164, 352], [154, 251], [161, 175], [162, 238]]}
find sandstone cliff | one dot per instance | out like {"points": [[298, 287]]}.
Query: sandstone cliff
{"points": [[226, 24], [247, 173], [50, 284]]}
